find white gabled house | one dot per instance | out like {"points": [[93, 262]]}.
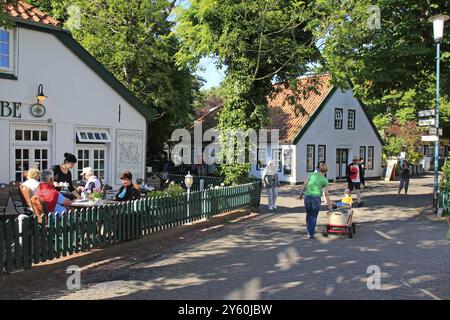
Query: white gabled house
{"points": [[335, 129], [88, 112]]}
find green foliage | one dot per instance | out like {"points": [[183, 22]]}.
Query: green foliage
{"points": [[260, 42], [4, 21], [175, 190], [133, 40], [155, 194], [98, 194], [445, 176], [235, 173]]}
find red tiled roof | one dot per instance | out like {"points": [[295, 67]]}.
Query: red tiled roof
{"points": [[286, 117], [29, 12], [283, 115]]}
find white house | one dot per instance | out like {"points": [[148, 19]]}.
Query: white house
{"points": [[87, 111], [335, 129]]}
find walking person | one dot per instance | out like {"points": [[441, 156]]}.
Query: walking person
{"points": [[354, 178], [362, 164], [405, 173], [312, 190], [270, 181]]}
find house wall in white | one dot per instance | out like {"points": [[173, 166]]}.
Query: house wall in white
{"points": [[282, 176], [77, 98], [322, 132]]}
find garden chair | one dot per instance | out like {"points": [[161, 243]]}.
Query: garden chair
{"points": [[106, 189], [26, 195], [18, 201], [39, 209]]}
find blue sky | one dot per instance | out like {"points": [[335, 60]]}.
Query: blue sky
{"points": [[210, 73]]}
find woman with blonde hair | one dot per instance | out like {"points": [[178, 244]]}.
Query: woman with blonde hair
{"points": [[32, 179], [315, 184], [270, 181]]}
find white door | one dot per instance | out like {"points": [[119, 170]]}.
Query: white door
{"points": [[30, 148], [93, 156]]}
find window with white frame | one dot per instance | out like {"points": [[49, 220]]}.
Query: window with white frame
{"points": [[370, 152], [362, 153], [94, 157], [351, 120], [287, 161], [93, 136], [322, 153], [261, 159], [310, 150], [6, 51], [338, 118], [276, 155]]}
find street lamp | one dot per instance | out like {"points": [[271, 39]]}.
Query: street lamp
{"points": [[438, 31], [188, 181]]}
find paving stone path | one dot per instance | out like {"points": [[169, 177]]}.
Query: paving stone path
{"points": [[270, 257]]}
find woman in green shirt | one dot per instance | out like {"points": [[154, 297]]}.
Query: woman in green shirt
{"points": [[315, 184]]}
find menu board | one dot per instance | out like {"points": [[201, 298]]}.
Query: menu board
{"points": [[390, 170]]}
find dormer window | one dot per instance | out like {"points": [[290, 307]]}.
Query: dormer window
{"points": [[6, 51]]}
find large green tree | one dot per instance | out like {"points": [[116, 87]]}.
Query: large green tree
{"points": [[133, 40], [260, 42], [391, 65]]}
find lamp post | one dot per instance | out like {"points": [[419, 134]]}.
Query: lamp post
{"points": [[438, 32], [188, 181]]}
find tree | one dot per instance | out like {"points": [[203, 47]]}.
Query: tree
{"points": [[133, 40], [391, 67], [260, 42], [3, 15]]}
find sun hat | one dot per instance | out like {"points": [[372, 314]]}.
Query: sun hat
{"points": [[87, 170]]}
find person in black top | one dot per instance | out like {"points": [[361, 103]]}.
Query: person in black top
{"points": [[127, 191], [404, 178], [362, 163], [62, 171]]}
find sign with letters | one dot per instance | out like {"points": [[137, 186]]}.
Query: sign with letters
{"points": [[426, 113], [427, 122], [10, 109], [430, 138], [433, 131]]}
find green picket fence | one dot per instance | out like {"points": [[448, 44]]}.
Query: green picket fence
{"points": [[98, 227]]}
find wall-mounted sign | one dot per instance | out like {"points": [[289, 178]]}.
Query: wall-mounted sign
{"points": [[426, 113], [37, 110], [427, 122], [10, 109], [129, 153]]}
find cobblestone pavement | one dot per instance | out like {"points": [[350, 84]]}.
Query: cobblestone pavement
{"points": [[269, 257]]}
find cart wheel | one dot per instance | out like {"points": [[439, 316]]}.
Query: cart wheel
{"points": [[324, 231], [354, 228], [350, 232]]}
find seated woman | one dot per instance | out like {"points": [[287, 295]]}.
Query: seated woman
{"points": [[32, 179], [127, 191], [55, 201], [92, 182]]}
